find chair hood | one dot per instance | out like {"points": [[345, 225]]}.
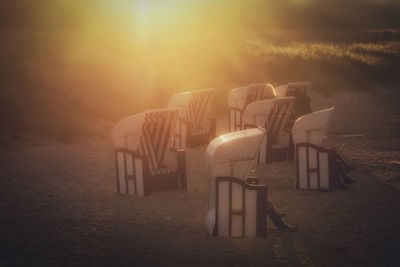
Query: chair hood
{"points": [[236, 146], [311, 128]]}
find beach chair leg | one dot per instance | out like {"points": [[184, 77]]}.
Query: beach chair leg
{"points": [[181, 157]]}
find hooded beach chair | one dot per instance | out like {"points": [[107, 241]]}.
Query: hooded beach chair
{"points": [[316, 164], [274, 115], [290, 89], [239, 98], [237, 208], [145, 162], [298, 90], [195, 125]]}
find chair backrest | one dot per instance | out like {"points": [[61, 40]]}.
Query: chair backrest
{"points": [[269, 113], [273, 115], [240, 97], [279, 116], [232, 154], [311, 128], [290, 89], [157, 135], [199, 107], [196, 104], [257, 113], [149, 133]]}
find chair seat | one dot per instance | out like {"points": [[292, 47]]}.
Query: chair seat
{"points": [[161, 171], [279, 146], [200, 131]]}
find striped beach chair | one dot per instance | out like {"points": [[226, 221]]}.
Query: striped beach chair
{"points": [[239, 98], [237, 205], [316, 163], [195, 126], [290, 89], [299, 91], [275, 116], [145, 160]]}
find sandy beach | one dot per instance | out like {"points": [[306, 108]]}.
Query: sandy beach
{"points": [[59, 206]]}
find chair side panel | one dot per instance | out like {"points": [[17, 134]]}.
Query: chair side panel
{"points": [[223, 209], [251, 212], [121, 174], [139, 176], [237, 210], [130, 174], [324, 170], [313, 168], [302, 167]]}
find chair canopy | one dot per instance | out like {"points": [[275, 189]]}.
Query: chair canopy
{"points": [[240, 97], [126, 132], [232, 154], [180, 100], [148, 133], [272, 114], [311, 128], [290, 89], [195, 105]]}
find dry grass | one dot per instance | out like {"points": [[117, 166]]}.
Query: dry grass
{"points": [[370, 54], [53, 79]]}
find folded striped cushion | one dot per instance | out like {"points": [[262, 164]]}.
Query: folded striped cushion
{"points": [[161, 171], [279, 146], [278, 118], [200, 131], [157, 134], [198, 109]]}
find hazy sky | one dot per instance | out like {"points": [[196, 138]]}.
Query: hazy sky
{"points": [[255, 14]]}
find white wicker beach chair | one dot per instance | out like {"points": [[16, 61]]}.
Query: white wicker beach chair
{"points": [[275, 116], [237, 207], [239, 98], [195, 125], [145, 161], [316, 164]]}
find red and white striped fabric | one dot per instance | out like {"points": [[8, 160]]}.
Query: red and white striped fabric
{"points": [[157, 134], [198, 109], [279, 117]]}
